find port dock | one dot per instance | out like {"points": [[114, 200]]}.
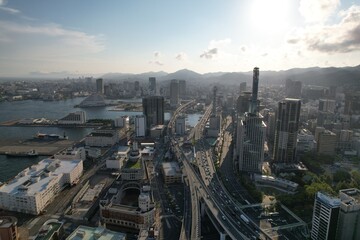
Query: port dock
{"points": [[44, 148]]}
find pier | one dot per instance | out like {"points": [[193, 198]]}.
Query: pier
{"points": [[44, 148]]}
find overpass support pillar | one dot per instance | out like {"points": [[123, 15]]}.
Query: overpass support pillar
{"points": [[222, 236]]}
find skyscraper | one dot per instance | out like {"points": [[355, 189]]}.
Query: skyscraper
{"points": [[287, 125], [349, 217], [325, 217], [254, 97], [153, 109], [293, 88], [251, 132], [182, 89], [174, 93], [242, 87], [100, 86], [152, 85]]}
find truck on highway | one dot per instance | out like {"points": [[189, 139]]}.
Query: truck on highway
{"points": [[244, 218]]}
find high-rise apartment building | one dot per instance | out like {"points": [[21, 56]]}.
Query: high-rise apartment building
{"points": [[325, 217], [174, 93], [287, 125], [243, 102], [152, 85], [100, 86], [153, 109]]}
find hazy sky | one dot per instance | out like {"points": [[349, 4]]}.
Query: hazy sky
{"points": [[94, 37]]}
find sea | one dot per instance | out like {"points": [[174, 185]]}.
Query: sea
{"points": [[16, 110]]}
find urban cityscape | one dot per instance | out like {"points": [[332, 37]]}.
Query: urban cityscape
{"points": [[251, 152]]}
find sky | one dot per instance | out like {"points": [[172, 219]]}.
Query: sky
{"points": [[92, 37]]}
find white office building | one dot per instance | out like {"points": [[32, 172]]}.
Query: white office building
{"points": [[35, 187], [140, 125]]}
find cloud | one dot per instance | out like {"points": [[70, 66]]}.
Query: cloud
{"points": [[209, 54], [264, 54], [342, 37], [243, 48], [318, 10], [9, 10], [156, 62], [181, 56], [157, 54], [57, 32]]}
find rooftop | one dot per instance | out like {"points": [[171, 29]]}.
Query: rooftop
{"points": [[99, 233], [7, 221], [353, 194], [48, 229], [171, 168], [36, 178]]}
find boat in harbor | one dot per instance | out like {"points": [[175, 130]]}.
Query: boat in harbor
{"points": [[32, 153], [45, 136]]}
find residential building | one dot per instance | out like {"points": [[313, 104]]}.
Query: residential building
{"points": [[287, 125], [35, 187]]}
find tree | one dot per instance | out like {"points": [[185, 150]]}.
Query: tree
{"points": [[315, 187], [342, 176], [356, 177]]}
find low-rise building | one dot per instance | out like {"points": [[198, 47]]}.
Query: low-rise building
{"points": [[71, 154], [102, 138], [275, 182], [93, 233], [116, 210], [8, 228], [35, 187], [171, 172], [74, 118], [133, 168], [51, 230]]}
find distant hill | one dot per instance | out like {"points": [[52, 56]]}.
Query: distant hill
{"points": [[308, 76]]}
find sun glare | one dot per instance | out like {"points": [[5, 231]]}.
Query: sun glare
{"points": [[269, 15]]}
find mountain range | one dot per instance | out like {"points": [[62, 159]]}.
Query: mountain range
{"points": [[308, 76]]}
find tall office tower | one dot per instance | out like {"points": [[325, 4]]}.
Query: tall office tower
{"points": [[287, 125], [251, 133], [182, 89], [214, 101], [242, 87], [174, 93], [352, 103], [140, 125], [327, 105], [349, 217], [254, 98], [293, 89], [180, 125], [325, 217], [137, 86], [251, 139], [100, 86], [326, 143], [152, 85], [153, 109], [243, 102]]}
